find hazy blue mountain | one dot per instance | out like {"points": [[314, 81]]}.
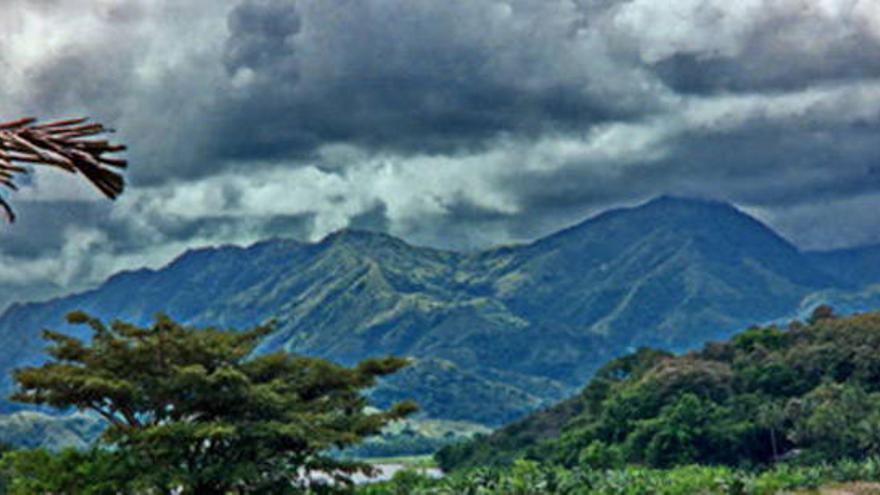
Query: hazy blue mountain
{"points": [[857, 266], [511, 328], [664, 274], [31, 429]]}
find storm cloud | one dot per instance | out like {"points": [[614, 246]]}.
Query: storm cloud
{"points": [[450, 123]]}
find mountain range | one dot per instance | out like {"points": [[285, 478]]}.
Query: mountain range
{"points": [[494, 334]]}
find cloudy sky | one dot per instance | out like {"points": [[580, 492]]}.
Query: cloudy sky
{"points": [[452, 123]]}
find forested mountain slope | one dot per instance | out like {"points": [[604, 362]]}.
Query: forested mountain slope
{"points": [[515, 327]]}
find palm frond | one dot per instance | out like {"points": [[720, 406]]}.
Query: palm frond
{"points": [[69, 145]]}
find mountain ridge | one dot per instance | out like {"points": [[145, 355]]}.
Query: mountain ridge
{"points": [[671, 272]]}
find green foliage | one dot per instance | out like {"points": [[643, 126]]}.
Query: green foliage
{"points": [[770, 338], [600, 455], [678, 435], [532, 478], [193, 408], [838, 420], [812, 391], [527, 436], [70, 471]]}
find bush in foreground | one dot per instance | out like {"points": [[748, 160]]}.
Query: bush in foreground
{"points": [[532, 478]]}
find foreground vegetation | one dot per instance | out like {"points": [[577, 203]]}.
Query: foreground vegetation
{"points": [[194, 409], [773, 410], [531, 478], [29, 472]]}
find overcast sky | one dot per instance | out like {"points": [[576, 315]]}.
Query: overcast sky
{"points": [[452, 123]]}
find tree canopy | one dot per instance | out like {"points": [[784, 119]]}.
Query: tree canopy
{"points": [[194, 407], [64, 144], [810, 391]]}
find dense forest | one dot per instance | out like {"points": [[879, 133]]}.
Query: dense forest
{"points": [[809, 392]]}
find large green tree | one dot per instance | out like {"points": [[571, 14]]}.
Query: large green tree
{"points": [[196, 408]]}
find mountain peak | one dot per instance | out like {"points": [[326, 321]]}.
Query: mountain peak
{"points": [[705, 233], [692, 211], [354, 235], [667, 200], [667, 211], [362, 239]]}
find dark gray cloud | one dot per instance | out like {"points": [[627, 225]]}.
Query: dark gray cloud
{"points": [[374, 220], [412, 77], [451, 123], [260, 37], [36, 240], [770, 46]]}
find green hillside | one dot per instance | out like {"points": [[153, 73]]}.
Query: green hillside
{"points": [[809, 391]]}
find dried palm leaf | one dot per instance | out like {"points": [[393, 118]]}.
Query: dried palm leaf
{"points": [[64, 144]]}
